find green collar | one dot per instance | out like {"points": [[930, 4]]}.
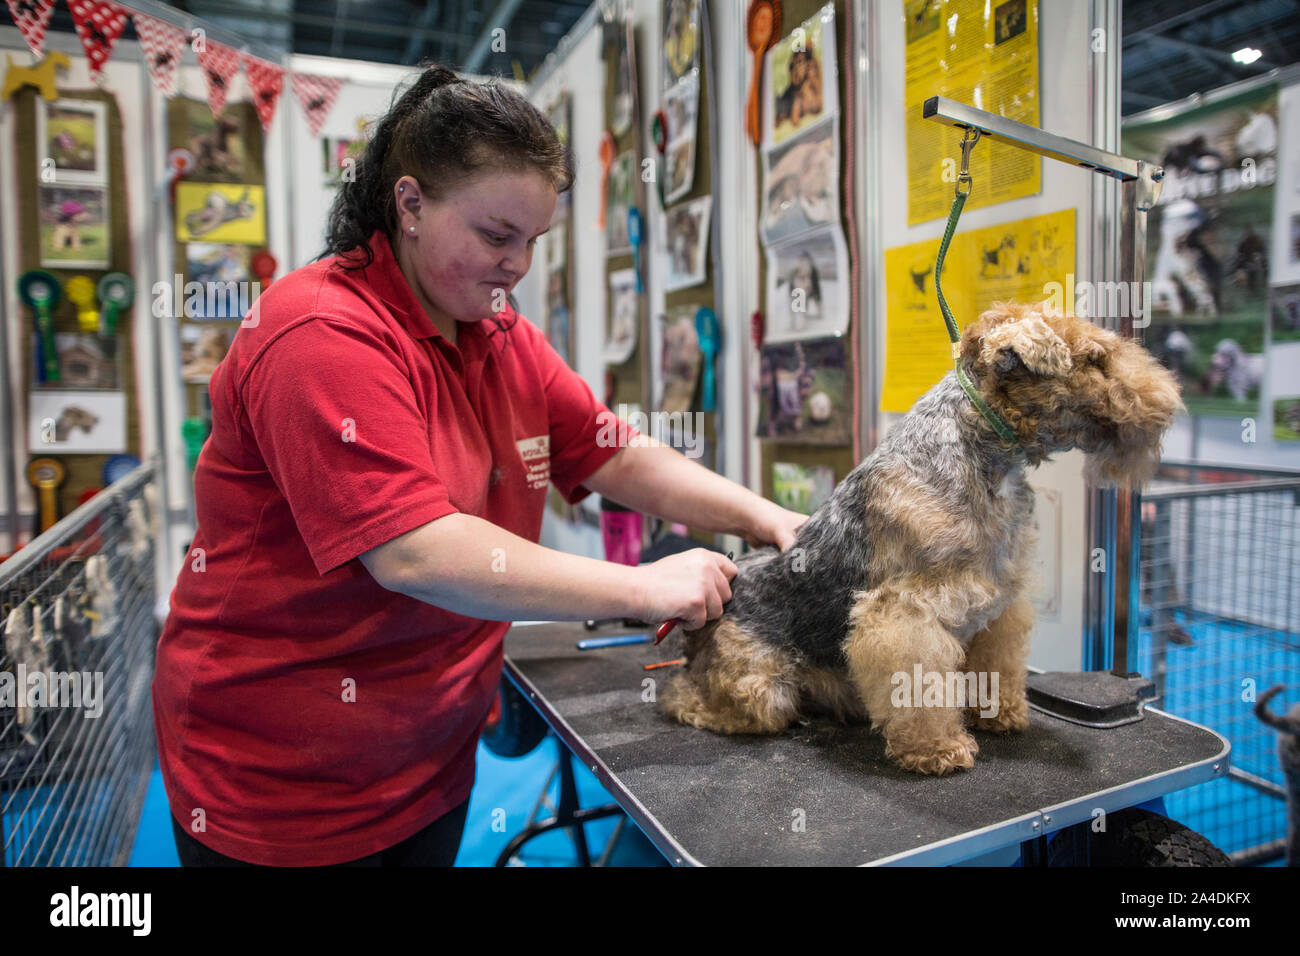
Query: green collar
{"points": [[995, 420]]}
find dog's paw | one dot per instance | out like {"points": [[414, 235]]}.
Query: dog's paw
{"points": [[958, 754], [1012, 716]]}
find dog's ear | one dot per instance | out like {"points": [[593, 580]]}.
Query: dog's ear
{"points": [[1022, 335]]}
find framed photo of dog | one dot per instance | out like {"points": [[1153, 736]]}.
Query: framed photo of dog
{"points": [[800, 185], [800, 80], [65, 421], [72, 141], [807, 283], [688, 243], [220, 212]]}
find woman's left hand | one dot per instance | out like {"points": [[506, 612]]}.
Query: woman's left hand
{"points": [[774, 525]]}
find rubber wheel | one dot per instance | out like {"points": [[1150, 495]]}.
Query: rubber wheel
{"points": [[514, 727], [1134, 837]]}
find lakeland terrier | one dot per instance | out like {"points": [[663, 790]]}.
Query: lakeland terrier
{"points": [[919, 564]]}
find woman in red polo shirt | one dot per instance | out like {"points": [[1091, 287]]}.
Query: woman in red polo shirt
{"points": [[369, 502]]}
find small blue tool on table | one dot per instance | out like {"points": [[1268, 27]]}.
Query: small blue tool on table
{"points": [[595, 643]]}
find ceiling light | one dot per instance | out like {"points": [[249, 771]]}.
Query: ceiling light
{"points": [[1247, 54]]}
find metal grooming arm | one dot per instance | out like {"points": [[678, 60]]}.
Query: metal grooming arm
{"points": [[1111, 511]]}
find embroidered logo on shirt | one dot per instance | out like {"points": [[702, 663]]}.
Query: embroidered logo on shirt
{"points": [[536, 453]]}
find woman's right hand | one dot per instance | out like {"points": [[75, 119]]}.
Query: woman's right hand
{"points": [[690, 587]]}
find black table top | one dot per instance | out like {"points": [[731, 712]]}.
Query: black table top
{"points": [[823, 794]]}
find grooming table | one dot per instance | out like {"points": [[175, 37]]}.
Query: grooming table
{"points": [[706, 799]]}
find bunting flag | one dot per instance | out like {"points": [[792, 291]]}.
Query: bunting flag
{"points": [[220, 63], [267, 82], [32, 18], [316, 95], [163, 46], [99, 23]]}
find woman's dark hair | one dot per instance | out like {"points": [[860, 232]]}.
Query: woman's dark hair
{"points": [[441, 131]]}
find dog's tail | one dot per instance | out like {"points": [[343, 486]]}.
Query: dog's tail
{"points": [[1287, 724]]}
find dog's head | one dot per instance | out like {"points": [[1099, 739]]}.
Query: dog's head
{"points": [[1061, 382]]}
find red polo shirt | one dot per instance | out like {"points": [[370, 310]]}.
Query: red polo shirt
{"points": [[311, 715]]}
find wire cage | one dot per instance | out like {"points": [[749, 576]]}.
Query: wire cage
{"points": [[1220, 624], [77, 639]]}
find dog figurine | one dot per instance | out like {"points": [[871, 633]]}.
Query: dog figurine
{"points": [[919, 564], [40, 76]]}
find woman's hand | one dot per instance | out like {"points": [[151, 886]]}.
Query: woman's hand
{"points": [[690, 587], [772, 524]]}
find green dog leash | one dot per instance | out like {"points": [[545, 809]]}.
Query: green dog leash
{"points": [[995, 421]]}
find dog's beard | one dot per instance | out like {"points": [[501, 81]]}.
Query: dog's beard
{"points": [[1130, 463]]}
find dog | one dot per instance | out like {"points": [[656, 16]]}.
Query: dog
{"points": [[72, 417], [920, 560], [1187, 272], [1234, 368]]}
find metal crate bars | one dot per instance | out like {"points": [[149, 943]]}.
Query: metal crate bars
{"points": [[77, 639], [1220, 624]]}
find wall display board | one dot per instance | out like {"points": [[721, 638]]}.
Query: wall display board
{"points": [[806, 368], [77, 346], [807, 260], [624, 197], [557, 253], [219, 227]]}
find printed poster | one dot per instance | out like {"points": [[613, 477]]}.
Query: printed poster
{"points": [[1209, 241], [1023, 261], [983, 54]]}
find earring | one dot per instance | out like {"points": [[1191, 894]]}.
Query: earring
{"points": [[401, 189], [412, 229]]}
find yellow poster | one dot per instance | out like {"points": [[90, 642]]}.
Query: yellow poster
{"points": [[1024, 261], [983, 54], [220, 212]]}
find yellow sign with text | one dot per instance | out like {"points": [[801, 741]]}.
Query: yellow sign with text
{"points": [[1028, 260]]}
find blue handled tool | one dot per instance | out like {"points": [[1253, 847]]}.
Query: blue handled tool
{"points": [[595, 643]]}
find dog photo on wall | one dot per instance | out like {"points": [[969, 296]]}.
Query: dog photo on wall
{"points": [[74, 227], [800, 78], [1208, 246], [800, 189], [72, 135], [202, 349], [67, 421]]}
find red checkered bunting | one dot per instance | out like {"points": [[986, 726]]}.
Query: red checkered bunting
{"points": [[32, 18], [99, 23], [163, 46], [220, 63], [267, 82], [316, 95]]}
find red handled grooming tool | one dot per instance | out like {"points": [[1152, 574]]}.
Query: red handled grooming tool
{"points": [[665, 629]]}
